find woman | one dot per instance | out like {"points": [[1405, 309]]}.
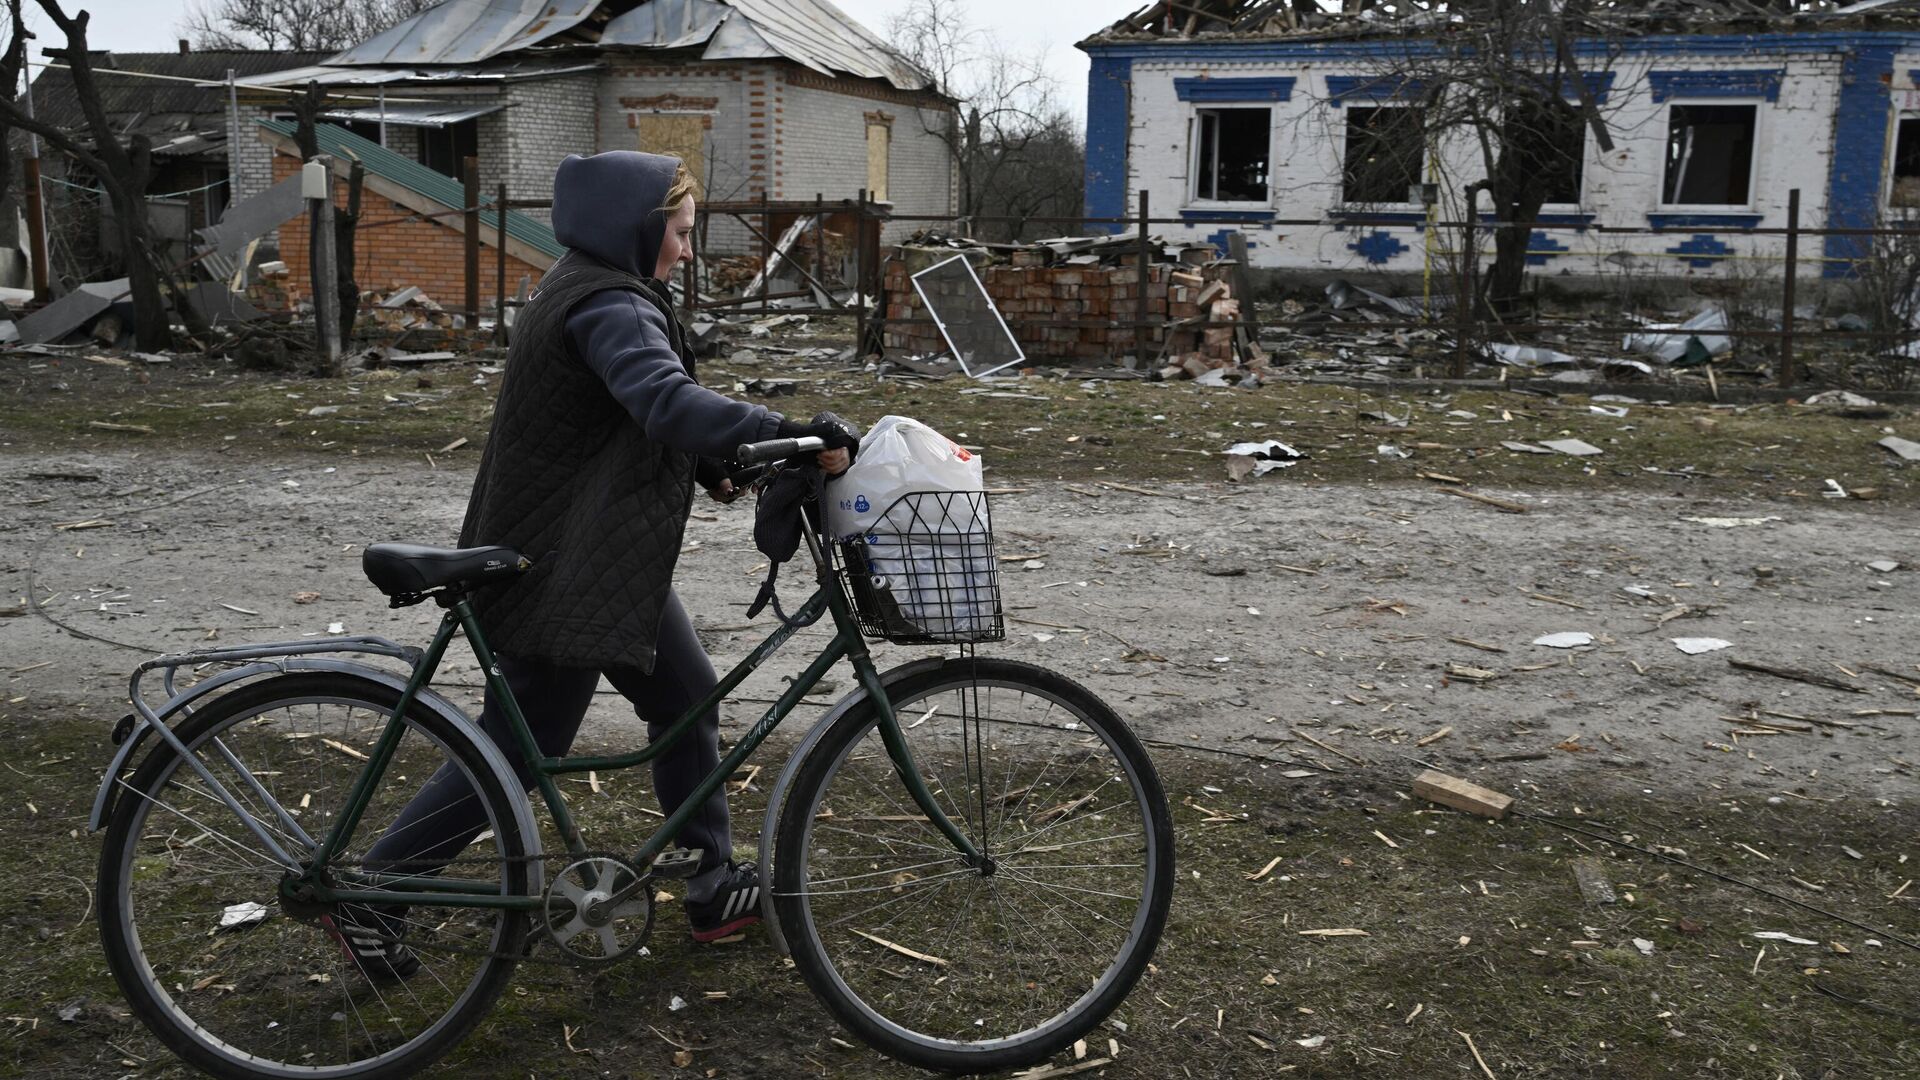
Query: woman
{"points": [[598, 437]]}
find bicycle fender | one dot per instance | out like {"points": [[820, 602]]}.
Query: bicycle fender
{"points": [[777, 794], [496, 761]]}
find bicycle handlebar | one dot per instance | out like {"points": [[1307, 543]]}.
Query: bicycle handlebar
{"points": [[774, 449]]}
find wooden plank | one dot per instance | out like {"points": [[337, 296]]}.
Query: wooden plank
{"points": [[1462, 795]]}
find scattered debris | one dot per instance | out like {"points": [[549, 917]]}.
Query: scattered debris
{"points": [[1461, 795], [1694, 646], [1259, 459], [1591, 876], [1572, 447], [1812, 678], [1571, 639], [1907, 451]]}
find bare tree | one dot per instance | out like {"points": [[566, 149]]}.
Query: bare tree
{"points": [[123, 171], [1011, 128], [293, 25]]}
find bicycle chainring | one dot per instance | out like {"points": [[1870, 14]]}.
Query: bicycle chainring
{"points": [[598, 910]]}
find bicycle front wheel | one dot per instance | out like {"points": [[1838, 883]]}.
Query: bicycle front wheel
{"points": [[970, 968], [244, 983]]}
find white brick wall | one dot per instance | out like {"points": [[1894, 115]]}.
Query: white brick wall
{"points": [[822, 147], [1794, 144], [547, 120]]}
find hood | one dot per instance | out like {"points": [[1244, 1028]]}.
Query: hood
{"points": [[608, 206]]}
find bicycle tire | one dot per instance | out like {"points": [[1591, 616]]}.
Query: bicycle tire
{"points": [[156, 1006], [796, 843]]}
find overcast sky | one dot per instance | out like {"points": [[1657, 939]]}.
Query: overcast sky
{"points": [[1024, 26]]}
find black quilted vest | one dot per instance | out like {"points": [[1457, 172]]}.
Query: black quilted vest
{"points": [[569, 480]]}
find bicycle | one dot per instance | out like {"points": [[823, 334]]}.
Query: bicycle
{"points": [[971, 858]]}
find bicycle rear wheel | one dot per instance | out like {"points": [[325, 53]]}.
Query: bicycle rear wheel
{"points": [[243, 984], [973, 968]]}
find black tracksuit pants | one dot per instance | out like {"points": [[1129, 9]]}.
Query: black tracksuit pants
{"points": [[445, 817]]}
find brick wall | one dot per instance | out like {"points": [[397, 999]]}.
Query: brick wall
{"points": [[547, 120], [821, 145], [429, 254]]}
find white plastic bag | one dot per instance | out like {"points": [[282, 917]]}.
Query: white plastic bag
{"points": [[929, 554]]}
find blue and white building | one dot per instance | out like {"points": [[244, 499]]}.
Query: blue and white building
{"points": [[1711, 132]]}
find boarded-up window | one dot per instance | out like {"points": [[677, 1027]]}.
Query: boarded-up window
{"points": [[683, 135], [879, 149]]}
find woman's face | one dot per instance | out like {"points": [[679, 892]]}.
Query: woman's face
{"points": [[677, 245]]}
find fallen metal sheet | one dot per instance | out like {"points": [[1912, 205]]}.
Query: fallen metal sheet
{"points": [[1675, 347], [254, 217], [1907, 450], [71, 312], [1529, 355], [1572, 447], [216, 304]]}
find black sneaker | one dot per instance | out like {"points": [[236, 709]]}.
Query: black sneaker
{"points": [[367, 937], [733, 908]]}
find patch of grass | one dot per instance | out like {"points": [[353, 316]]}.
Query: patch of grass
{"points": [[1472, 926], [1037, 428]]}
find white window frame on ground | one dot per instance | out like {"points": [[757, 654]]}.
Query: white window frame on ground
{"points": [[1753, 157], [1197, 118], [1406, 202]]}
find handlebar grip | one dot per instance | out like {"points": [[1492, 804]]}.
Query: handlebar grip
{"points": [[774, 449]]}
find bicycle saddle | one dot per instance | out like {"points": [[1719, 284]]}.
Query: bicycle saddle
{"points": [[412, 569]]}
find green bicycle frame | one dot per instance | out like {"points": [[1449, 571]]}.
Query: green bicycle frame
{"points": [[847, 644]]}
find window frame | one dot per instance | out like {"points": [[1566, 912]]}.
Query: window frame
{"points": [[1661, 204], [1195, 119], [1346, 131], [1900, 116]]}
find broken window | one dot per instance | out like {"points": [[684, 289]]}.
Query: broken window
{"points": [[879, 157], [446, 149], [1566, 167], [1386, 155], [1710, 155], [1906, 164], [681, 135], [1231, 160]]}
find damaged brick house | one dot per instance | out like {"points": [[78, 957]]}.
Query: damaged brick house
{"points": [[784, 99], [1233, 109]]}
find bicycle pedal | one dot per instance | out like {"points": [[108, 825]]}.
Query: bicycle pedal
{"points": [[679, 863]]}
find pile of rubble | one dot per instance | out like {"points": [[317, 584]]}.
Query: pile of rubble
{"points": [[1080, 298]]}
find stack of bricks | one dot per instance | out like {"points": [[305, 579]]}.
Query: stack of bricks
{"points": [[1101, 300]]}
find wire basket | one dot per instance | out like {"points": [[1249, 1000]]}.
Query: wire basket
{"points": [[925, 572]]}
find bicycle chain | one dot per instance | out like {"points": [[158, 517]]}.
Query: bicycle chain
{"points": [[564, 858]]}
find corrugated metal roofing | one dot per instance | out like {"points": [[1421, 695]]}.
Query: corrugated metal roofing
{"points": [[337, 75], [427, 116], [417, 178], [809, 32]]}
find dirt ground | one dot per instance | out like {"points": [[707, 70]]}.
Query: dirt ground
{"points": [[1297, 647]]}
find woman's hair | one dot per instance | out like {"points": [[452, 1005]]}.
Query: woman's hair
{"points": [[684, 186]]}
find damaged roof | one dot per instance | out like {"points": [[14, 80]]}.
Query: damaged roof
{"points": [[1266, 19], [812, 33], [164, 110]]}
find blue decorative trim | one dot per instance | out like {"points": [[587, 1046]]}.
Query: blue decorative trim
{"points": [[1109, 88], [1363, 219], [1341, 88], [1541, 247], [1197, 216], [1858, 166], [1728, 45], [1748, 82], [1379, 247], [1219, 241], [1706, 249], [1279, 88], [1704, 221], [1599, 84]]}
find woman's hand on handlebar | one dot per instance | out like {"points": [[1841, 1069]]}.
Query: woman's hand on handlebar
{"points": [[834, 462]]}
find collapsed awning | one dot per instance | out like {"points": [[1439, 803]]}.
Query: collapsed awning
{"points": [[426, 116]]}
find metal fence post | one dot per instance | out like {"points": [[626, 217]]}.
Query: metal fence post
{"points": [[766, 250], [1140, 307], [471, 171], [1785, 373], [500, 271], [1469, 256], [860, 279]]}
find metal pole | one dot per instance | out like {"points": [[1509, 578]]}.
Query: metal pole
{"points": [[860, 278], [471, 171], [820, 238], [1785, 372], [1469, 255], [383, 115], [766, 250], [326, 293], [1140, 306], [36, 211], [500, 271]]}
